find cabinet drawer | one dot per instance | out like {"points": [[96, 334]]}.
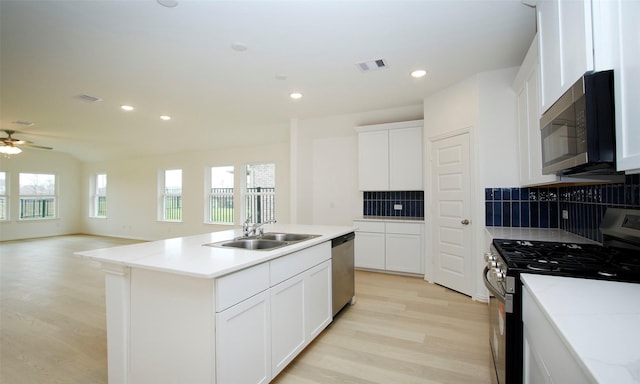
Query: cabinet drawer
{"points": [[405, 228], [369, 226], [297, 262], [241, 285]]}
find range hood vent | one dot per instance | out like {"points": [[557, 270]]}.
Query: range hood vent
{"points": [[371, 65]]}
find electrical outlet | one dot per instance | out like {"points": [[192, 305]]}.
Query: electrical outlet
{"points": [[565, 214], [397, 207]]}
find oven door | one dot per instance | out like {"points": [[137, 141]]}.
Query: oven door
{"points": [[500, 303]]}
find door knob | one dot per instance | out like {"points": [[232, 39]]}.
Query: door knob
{"points": [[465, 222]]}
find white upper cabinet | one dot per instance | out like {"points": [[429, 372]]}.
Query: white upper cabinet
{"points": [[530, 148], [620, 20], [565, 38], [577, 36], [373, 161], [390, 157]]}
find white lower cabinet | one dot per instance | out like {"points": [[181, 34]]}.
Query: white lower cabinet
{"points": [[287, 322], [243, 342], [259, 336], [300, 310], [370, 249], [546, 358], [389, 246], [403, 252]]}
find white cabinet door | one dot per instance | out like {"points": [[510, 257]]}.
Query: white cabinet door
{"points": [[370, 250], [287, 322], [547, 359], [317, 300], [373, 161], [526, 87], [243, 342], [549, 48], [390, 156], [300, 310], [404, 253], [622, 22], [566, 46], [405, 159]]}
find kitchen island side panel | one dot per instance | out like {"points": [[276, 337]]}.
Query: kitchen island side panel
{"points": [[172, 328]]}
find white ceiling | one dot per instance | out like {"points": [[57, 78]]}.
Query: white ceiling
{"points": [[179, 61]]}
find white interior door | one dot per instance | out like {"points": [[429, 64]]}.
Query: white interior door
{"points": [[451, 211]]}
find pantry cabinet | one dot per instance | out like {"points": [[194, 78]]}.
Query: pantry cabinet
{"points": [[390, 156], [389, 246]]}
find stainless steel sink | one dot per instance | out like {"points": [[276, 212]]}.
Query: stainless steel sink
{"points": [[292, 237], [266, 242], [260, 244]]}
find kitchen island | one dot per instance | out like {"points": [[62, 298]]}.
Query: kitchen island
{"points": [[179, 311]]}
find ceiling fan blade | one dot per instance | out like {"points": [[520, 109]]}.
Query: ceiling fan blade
{"points": [[37, 146]]}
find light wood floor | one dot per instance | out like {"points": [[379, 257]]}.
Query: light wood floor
{"points": [[401, 330]]}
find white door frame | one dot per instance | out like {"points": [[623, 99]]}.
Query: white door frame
{"points": [[477, 216]]}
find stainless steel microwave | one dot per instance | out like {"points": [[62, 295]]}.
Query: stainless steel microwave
{"points": [[578, 131]]}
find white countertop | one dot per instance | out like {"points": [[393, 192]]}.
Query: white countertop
{"points": [[538, 234], [188, 256], [391, 218], [598, 320]]}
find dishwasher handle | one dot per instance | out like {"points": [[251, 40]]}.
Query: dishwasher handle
{"points": [[342, 239]]}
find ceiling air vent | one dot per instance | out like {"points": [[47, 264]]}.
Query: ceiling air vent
{"points": [[88, 98], [371, 65]]}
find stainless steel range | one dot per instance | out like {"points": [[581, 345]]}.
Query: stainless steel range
{"points": [[617, 259]]}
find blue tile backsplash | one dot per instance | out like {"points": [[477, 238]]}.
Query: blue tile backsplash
{"points": [[381, 203], [542, 207]]}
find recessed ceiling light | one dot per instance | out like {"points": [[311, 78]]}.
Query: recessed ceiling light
{"points": [[296, 95], [165, 117], [127, 107], [418, 73]]}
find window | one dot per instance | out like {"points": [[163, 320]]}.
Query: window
{"points": [[37, 196], [220, 196], [3, 196], [260, 193], [99, 196], [171, 195]]}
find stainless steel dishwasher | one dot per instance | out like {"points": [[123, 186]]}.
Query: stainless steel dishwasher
{"points": [[342, 271]]}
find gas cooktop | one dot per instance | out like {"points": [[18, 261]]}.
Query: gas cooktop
{"points": [[570, 259]]}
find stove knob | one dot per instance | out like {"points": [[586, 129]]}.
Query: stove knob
{"points": [[488, 256], [492, 264], [498, 274]]}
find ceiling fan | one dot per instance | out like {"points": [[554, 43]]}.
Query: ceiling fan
{"points": [[10, 145]]}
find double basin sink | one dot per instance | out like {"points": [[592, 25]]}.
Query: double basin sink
{"points": [[265, 242]]}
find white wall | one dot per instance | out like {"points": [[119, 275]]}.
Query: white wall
{"points": [[67, 171], [133, 184], [326, 161], [485, 105]]}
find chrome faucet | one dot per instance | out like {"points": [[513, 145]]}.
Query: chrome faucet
{"points": [[255, 229]]}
